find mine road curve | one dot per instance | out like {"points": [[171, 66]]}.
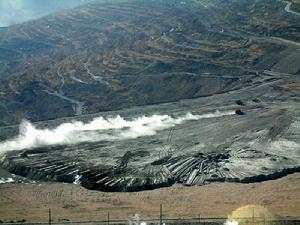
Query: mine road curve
{"points": [[288, 9], [62, 81], [78, 109], [96, 78], [78, 105]]}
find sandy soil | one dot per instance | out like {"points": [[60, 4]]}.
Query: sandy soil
{"points": [[31, 201]]}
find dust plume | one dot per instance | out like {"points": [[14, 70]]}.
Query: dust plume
{"points": [[99, 129]]}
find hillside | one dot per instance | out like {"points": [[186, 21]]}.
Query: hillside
{"points": [[296, 5], [109, 56]]}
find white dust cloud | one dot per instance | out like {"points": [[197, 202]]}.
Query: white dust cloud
{"points": [[99, 129]]}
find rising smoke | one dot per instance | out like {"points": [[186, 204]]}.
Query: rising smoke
{"points": [[99, 129]]}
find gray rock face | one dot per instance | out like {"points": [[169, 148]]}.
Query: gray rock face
{"points": [[243, 165]]}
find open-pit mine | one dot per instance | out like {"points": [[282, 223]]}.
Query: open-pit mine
{"points": [[136, 95]]}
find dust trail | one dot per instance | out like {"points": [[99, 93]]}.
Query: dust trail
{"points": [[99, 129]]}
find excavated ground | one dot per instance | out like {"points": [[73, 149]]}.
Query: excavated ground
{"points": [[188, 56], [262, 144]]}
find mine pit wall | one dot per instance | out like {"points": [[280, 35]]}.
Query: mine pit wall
{"points": [[147, 185], [34, 173], [31, 172], [272, 176], [258, 178]]}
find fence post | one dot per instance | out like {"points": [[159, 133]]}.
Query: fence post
{"points": [[160, 218], [49, 216]]}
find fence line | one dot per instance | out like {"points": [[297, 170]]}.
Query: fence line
{"points": [[157, 221]]}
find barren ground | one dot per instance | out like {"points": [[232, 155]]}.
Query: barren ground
{"points": [[31, 201]]}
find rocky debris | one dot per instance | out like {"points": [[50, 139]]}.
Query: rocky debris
{"points": [[239, 112], [122, 163], [256, 100], [240, 102], [199, 169]]}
